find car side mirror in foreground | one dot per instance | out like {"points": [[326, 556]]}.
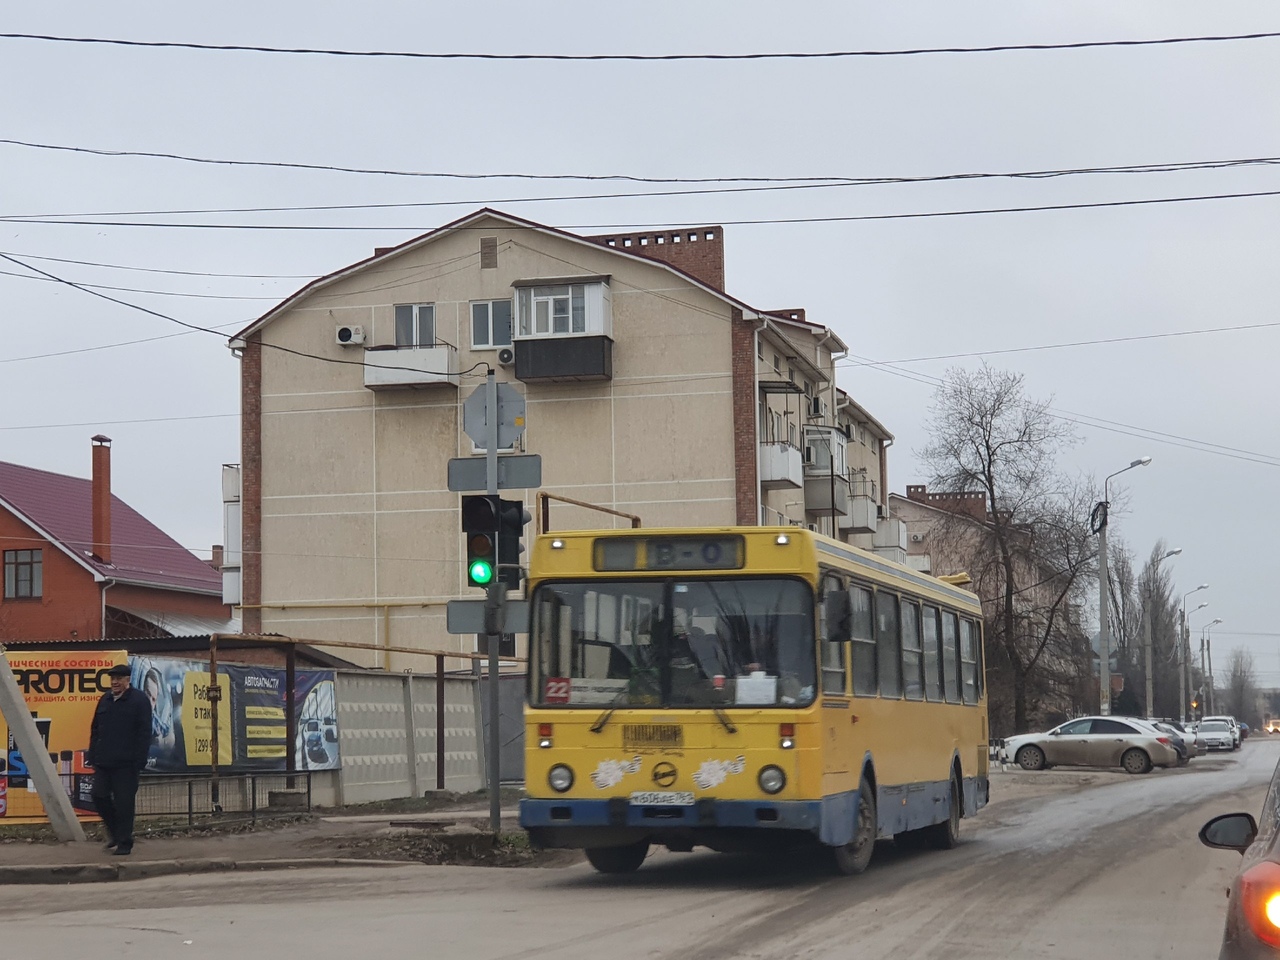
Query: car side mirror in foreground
{"points": [[1231, 831]]}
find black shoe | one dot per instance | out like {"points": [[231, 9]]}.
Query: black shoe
{"points": [[121, 851], [110, 845]]}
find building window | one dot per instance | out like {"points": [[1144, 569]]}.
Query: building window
{"points": [[415, 325], [23, 575], [490, 324], [564, 310], [777, 364]]}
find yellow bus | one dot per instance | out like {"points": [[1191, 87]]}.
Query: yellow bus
{"points": [[742, 687]]}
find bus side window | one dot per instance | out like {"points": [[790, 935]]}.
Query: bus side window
{"points": [[912, 685], [932, 662], [888, 645], [951, 656], [864, 643], [834, 676], [982, 658], [968, 661]]}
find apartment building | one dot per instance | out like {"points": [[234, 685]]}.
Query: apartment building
{"points": [[649, 390]]}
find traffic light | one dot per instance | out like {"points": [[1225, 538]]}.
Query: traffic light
{"points": [[480, 527], [512, 516]]}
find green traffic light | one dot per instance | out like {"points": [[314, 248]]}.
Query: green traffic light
{"points": [[480, 571]]}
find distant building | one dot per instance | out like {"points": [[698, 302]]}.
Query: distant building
{"points": [[81, 564], [649, 390]]}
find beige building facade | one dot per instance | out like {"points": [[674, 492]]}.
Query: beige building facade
{"points": [[648, 390]]}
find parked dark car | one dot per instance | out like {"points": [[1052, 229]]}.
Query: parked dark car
{"points": [[1253, 902]]}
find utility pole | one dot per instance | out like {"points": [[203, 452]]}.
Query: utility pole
{"points": [[1182, 674], [1100, 518], [1104, 625]]}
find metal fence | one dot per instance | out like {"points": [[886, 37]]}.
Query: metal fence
{"points": [[250, 796]]}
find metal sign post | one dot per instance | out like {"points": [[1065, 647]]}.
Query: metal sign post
{"points": [[493, 416]]}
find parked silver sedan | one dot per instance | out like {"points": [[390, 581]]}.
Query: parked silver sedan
{"points": [[1093, 742]]}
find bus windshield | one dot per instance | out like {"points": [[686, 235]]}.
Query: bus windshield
{"points": [[673, 643]]}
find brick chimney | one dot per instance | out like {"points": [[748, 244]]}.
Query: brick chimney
{"points": [[216, 560], [698, 251], [102, 498]]}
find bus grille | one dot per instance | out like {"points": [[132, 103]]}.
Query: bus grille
{"points": [[669, 736]]}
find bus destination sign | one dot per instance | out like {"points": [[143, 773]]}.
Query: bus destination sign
{"points": [[670, 553]]}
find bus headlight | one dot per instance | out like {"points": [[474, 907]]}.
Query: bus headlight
{"points": [[560, 778], [771, 779]]}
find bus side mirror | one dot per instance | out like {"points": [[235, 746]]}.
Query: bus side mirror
{"points": [[837, 615]]}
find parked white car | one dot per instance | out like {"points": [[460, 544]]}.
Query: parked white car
{"points": [[1216, 734], [1135, 746], [1231, 722]]}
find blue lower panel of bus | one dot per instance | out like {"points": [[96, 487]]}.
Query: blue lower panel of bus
{"points": [[831, 819]]}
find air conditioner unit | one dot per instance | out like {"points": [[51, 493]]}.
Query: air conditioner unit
{"points": [[506, 357], [350, 335], [917, 537], [817, 407]]}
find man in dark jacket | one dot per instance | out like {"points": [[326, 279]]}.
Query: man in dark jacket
{"points": [[119, 741]]}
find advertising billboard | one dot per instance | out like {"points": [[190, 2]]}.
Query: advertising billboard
{"points": [[61, 690]]}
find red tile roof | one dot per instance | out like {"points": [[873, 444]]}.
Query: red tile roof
{"points": [[141, 553]]}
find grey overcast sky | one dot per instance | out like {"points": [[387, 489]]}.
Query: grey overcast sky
{"points": [[894, 289]]}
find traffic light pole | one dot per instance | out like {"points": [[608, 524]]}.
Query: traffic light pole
{"points": [[494, 601]]}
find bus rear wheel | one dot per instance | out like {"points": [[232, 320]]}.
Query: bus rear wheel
{"points": [[618, 859], [854, 857], [946, 835]]}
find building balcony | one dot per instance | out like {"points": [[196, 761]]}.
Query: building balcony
{"points": [[862, 515], [819, 491], [920, 562], [559, 359], [397, 368], [781, 466]]}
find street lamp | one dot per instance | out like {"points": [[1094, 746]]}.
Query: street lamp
{"points": [[1182, 652], [1206, 647], [1151, 712], [1099, 523]]}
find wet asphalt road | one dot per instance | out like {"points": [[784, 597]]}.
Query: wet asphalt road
{"points": [[1107, 870]]}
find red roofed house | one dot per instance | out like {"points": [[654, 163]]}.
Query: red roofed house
{"points": [[80, 563]]}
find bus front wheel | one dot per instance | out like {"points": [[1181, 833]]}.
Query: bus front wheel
{"points": [[854, 857], [618, 859]]}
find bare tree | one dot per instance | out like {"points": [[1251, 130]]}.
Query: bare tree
{"points": [[1240, 698], [1030, 555]]}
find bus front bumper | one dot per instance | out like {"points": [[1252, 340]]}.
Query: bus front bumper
{"points": [[589, 823]]}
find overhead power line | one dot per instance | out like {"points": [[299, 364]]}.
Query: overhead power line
{"points": [[212, 330], [764, 221], [640, 57], [158, 293], [180, 273], [1167, 167], [1071, 343]]}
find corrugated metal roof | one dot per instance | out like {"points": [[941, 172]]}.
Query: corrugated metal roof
{"points": [[182, 624], [141, 553]]}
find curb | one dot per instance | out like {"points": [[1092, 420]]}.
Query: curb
{"points": [[143, 869]]}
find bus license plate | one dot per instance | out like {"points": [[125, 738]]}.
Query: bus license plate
{"points": [[662, 798]]}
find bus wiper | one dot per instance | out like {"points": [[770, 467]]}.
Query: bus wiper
{"points": [[602, 720], [724, 719]]}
